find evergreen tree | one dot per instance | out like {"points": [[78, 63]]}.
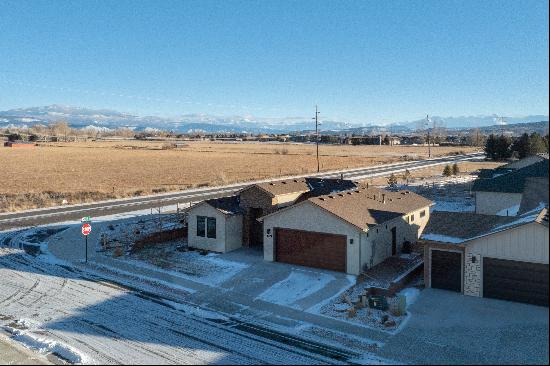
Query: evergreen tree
{"points": [[521, 146], [490, 147], [456, 169], [392, 181], [503, 150], [537, 145], [447, 171]]}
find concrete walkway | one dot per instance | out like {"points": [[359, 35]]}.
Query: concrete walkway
{"points": [[245, 305]]}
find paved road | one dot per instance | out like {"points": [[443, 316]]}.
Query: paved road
{"points": [[75, 212], [82, 318]]}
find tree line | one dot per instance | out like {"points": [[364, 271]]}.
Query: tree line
{"points": [[504, 147]]}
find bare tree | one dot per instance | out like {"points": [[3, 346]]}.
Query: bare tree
{"points": [[60, 129]]}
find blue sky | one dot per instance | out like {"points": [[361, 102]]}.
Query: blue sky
{"points": [[361, 61]]}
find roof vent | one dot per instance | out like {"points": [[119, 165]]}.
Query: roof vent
{"points": [[330, 196], [340, 194], [271, 184], [283, 182], [321, 199], [295, 180], [349, 193]]}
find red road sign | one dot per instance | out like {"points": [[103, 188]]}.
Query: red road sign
{"points": [[86, 229]]}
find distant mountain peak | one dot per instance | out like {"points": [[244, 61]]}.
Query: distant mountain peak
{"points": [[80, 117]]}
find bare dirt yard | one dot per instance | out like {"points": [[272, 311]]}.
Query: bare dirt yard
{"points": [[84, 172]]}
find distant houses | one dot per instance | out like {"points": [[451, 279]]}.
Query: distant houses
{"points": [[19, 144]]}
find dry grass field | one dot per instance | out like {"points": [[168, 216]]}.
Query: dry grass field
{"points": [[84, 172]]}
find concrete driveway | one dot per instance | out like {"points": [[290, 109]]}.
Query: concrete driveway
{"points": [[450, 328]]}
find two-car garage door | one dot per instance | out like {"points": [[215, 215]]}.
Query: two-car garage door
{"points": [[311, 249], [515, 281]]}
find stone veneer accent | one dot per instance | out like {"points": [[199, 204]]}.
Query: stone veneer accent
{"points": [[472, 275]]}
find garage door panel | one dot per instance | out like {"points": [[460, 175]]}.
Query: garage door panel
{"points": [[446, 270], [515, 281], [311, 249]]}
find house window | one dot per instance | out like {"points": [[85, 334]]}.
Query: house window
{"points": [[211, 227], [422, 213], [412, 218], [201, 222]]}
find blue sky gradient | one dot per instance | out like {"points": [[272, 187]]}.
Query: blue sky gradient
{"points": [[361, 61]]}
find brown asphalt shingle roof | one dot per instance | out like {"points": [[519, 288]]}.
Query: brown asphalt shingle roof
{"points": [[463, 225], [227, 205], [460, 227], [370, 206]]}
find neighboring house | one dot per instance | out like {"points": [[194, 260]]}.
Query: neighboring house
{"points": [[216, 225], [502, 193], [488, 255], [522, 163], [346, 231]]}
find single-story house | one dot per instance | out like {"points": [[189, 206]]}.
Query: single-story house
{"points": [[235, 218], [502, 193], [345, 231], [216, 225], [488, 255]]}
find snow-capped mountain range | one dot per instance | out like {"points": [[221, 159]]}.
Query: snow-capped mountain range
{"points": [[104, 118]]}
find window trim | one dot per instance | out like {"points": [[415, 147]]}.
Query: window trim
{"points": [[201, 228], [208, 221]]}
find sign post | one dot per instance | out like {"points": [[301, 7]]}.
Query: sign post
{"points": [[86, 230]]}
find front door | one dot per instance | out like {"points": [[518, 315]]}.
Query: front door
{"points": [[256, 228], [394, 241]]}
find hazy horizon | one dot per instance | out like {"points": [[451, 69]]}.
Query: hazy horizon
{"points": [[358, 60]]}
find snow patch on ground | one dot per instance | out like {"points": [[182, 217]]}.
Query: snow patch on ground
{"points": [[298, 285], [210, 269], [46, 346]]}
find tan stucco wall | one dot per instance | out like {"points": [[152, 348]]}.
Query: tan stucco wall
{"points": [[221, 243], [379, 238], [284, 200], [306, 216], [489, 203], [233, 232]]}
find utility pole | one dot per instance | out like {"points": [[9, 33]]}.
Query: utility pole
{"points": [[317, 134], [428, 127]]}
